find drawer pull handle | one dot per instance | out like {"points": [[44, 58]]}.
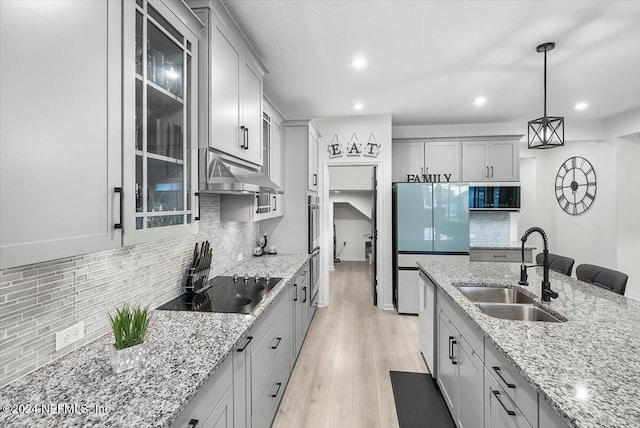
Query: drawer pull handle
{"points": [[278, 385], [499, 255], [249, 339], [278, 339], [453, 360], [450, 351], [509, 385], [509, 412], [193, 423], [295, 296], [305, 294]]}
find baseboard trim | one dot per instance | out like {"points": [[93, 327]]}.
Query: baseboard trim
{"points": [[388, 307]]}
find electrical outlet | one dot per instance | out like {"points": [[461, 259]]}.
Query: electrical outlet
{"points": [[240, 256], [69, 335]]}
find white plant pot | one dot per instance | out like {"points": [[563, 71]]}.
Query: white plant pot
{"points": [[128, 358]]}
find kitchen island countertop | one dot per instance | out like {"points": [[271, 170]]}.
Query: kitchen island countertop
{"points": [[183, 349], [587, 368]]}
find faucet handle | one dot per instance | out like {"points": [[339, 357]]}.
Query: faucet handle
{"points": [[523, 275]]}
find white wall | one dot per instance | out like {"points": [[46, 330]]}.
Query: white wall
{"points": [[352, 228], [363, 126], [350, 178]]}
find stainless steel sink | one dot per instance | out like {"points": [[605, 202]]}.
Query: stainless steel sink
{"points": [[495, 295], [516, 312]]}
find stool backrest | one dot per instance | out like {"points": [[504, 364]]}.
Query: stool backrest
{"points": [[561, 264], [602, 277]]}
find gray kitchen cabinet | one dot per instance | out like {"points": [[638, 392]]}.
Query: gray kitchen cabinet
{"points": [[242, 382], [435, 158], [490, 161], [500, 255], [230, 108], [460, 366], [300, 297], [270, 362], [213, 404], [81, 177], [500, 411], [549, 418], [427, 322], [160, 92], [312, 158], [60, 161]]}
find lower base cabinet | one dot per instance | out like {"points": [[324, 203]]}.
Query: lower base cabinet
{"points": [[500, 411], [213, 405]]}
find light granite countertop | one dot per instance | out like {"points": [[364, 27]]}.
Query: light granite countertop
{"points": [[183, 350], [587, 368]]}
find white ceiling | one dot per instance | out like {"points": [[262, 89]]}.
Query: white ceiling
{"points": [[428, 60]]}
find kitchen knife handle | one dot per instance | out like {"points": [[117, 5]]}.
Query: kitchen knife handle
{"points": [[305, 294], [278, 340], [119, 190], [197, 195], [278, 385], [249, 339]]}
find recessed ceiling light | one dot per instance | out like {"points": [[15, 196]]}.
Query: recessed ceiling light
{"points": [[581, 106], [358, 106], [480, 101], [359, 63]]}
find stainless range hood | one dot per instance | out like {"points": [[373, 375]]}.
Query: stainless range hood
{"points": [[221, 175]]}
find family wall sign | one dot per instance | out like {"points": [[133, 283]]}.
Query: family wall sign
{"points": [[354, 147]]}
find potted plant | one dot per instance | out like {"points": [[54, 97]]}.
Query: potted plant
{"points": [[129, 327]]}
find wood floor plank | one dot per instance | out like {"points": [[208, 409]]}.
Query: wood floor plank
{"points": [[341, 378]]}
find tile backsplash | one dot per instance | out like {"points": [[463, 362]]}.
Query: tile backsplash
{"points": [[38, 300], [489, 226]]}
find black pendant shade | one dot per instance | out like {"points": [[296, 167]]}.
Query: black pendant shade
{"points": [[546, 132]]}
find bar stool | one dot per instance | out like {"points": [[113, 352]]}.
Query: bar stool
{"points": [[561, 264], [609, 279]]}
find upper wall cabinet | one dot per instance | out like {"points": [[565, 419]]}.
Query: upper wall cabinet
{"points": [[94, 159], [313, 139], [230, 109], [433, 158], [160, 64], [490, 161]]}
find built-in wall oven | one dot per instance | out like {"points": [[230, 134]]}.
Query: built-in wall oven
{"points": [[314, 246]]}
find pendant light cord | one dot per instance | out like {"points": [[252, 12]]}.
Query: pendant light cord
{"points": [[545, 83]]}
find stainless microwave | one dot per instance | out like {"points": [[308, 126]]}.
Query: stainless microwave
{"points": [[497, 197]]}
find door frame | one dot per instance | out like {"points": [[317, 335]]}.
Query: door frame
{"points": [[326, 251]]}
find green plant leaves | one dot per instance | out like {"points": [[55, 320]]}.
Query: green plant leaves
{"points": [[129, 326]]}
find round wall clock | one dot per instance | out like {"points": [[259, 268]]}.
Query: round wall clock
{"points": [[576, 185]]}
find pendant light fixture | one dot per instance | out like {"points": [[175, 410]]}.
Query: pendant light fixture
{"points": [[546, 132]]}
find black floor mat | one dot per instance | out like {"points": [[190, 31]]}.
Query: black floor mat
{"points": [[418, 401]]}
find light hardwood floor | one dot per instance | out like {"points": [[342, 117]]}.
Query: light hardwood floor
{"points": [[341, 378]]}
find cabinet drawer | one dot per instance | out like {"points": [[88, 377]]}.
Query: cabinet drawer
{"points": [[264, 324], [470, 332], [515, 387], [205, 400], [506, 255], [275, 345], [267, 402], [499, 410]]}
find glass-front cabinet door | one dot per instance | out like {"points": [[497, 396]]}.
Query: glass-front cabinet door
{"points": [[160, 131]]}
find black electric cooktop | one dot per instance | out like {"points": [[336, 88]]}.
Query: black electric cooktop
{"points": [[224, 294]]}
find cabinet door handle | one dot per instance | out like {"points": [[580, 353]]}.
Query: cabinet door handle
{"points": [[245, 137], [249, 339], [193, 423], [487, 172], [278, 385], [257, 204], [305, 294], [497, 395], [491, 171], [120, 191], [450, 350], [315, 179], [275, 203], [197, 195], [246, 130], [453, 360], [278, 339], [295, 296], [497, 370]]}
